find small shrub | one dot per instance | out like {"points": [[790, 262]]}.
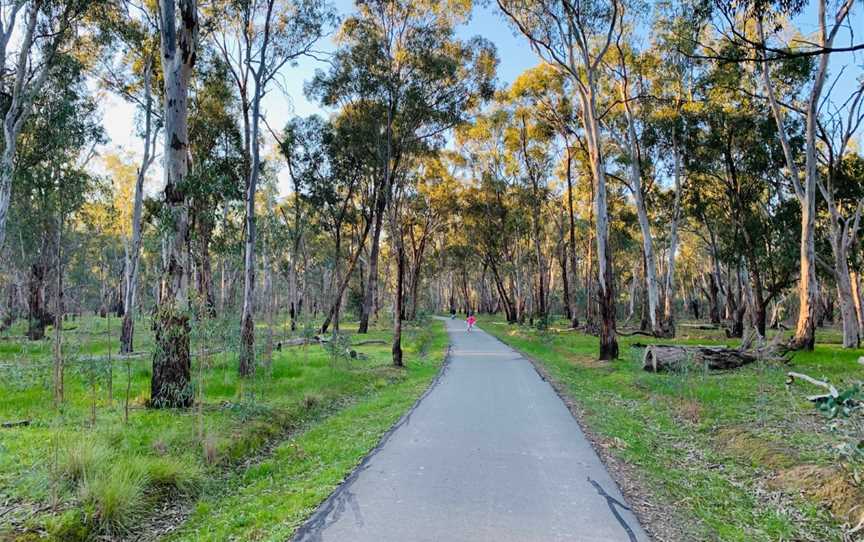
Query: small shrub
{"points": [[339, 348], [115, 499]]}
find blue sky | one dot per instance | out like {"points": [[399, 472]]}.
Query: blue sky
{"points": [[287, 101], [514, 55]]}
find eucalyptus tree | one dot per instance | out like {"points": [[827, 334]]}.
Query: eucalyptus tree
{"points": [[630, 85], [51, 181], [333, 178], [670, 72], [765, 48], [327, 162], [403, 60], [549, 92], [170, 382], [257, 39], [129, 73], [575, 36], [530, 140], [841, 184], [735, 157], [35, 35], [217, 174], [487, 219], [431, 203]]}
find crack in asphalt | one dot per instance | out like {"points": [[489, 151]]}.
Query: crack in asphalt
{"points": [[613, 505]]}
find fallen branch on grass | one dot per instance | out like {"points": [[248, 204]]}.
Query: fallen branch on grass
{"points": [[20, 423], [832, 391], [634, 333], [370, 341], [322, 340]]}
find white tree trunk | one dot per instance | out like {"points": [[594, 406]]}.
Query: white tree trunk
{"points": [[856, 299], [133, 247], [170, 383], [669, 307]]}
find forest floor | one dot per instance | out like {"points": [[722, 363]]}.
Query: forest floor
{"points": [[732, 456], [252, 463]]}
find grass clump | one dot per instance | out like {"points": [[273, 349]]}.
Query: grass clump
{"points": [[81, 459], [115, 499], [173, 475]]}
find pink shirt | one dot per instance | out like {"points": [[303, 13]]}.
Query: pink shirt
{"points": [[471, 320]]}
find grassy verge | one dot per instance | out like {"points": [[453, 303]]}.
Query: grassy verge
{"points": [[83, 471], [737, 454], [270, 500]]}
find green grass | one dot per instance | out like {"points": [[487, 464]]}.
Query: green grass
{"points": [[270, 500], [678, 429], [71, 478]]}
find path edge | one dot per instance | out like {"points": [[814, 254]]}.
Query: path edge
{"points": [[316, 520], [631, 483]]}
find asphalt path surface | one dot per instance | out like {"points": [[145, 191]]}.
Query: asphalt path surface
{"points": [[489, 453]]}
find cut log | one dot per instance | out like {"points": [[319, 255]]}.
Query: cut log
{"points": [[670, 358]]}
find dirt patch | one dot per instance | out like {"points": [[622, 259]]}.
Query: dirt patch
{"points": [[829, 486], [588, 362], [690, 410], [759, 451]]}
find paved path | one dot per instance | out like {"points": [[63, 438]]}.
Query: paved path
{"points": [[490, 454]]}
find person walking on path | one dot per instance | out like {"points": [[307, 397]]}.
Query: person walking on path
{"points": [[471, 321]]}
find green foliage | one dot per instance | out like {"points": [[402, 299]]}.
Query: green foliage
{"points": [[338, 347], [847, 402]]}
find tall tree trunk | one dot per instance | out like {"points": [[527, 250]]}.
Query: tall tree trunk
{"points": [[855, 279], [565, 281], [247, 320], [574, 264], [372, 281], [805, 332], [846, 295], [133, 247], [635, 174], [39, 316], [57, 354], [669, 289], [170, 382], [397, 304], [606, 272]]}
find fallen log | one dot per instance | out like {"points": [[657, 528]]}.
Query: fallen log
{"points": [[22, 423], [670, 358], [298, 342], [370, 341]]}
